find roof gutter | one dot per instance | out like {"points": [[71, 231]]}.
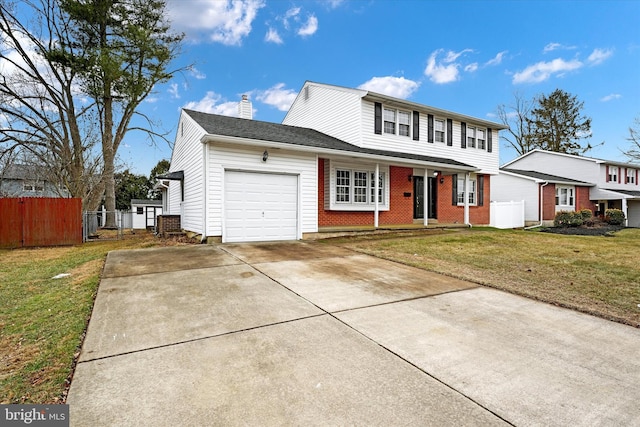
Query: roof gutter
{"points": [[541, 208], [210, 138]]}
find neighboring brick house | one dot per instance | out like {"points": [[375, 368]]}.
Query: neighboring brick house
{"points": [[586, 182], [343, 158]]}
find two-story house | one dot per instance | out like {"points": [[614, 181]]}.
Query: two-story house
{"points": [[23, 180], [342, 159], [559, 181]]}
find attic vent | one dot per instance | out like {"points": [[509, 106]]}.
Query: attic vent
{"points": [[306, 92], [245, 109]]}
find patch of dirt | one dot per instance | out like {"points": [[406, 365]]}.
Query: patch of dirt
{"points": [[598, 230]]}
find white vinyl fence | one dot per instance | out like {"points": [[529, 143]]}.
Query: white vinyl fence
{"points": [[507, 214]]}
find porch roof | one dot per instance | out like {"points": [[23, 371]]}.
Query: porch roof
{"points": [[554, 179]]}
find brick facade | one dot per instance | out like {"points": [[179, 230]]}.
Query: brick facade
{"points": [[401, 203], [582, 200]]}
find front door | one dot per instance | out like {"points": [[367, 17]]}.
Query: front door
{"points": [[418, 198]]}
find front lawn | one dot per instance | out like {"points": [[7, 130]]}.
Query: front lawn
{"points": [[42, 319], [599, 275]]}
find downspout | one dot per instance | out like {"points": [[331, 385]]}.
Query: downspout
{"points": [[205, 168], [541, 208], [375, 196], [466, 199]]}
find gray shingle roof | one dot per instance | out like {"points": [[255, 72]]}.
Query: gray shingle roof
{"points": [[266, 131], [546, 177], [626, 192]]}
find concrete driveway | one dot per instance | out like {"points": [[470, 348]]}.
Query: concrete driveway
{"points": [[311, 334]]}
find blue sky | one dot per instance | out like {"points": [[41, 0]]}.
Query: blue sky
{"points": [[464, 56]]}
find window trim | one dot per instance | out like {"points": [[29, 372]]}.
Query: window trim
{"points": [[473, 195], [352, 169], [444, 129], [570, 198], [631, 176], [396, 123], [613, 174]]}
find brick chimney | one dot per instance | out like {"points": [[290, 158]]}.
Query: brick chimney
{"points": [[245, 109]]}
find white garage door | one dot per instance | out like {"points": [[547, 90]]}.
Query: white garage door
{"points": [[260, 207], [633, 211]]}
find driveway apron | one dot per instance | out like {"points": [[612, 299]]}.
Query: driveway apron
{"points": [[305, 333]]}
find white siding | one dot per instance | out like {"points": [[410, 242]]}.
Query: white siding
{"points": [[487, 162], [246, 158], [559, 165], [332, 111], [507, 188], [188, 157]]}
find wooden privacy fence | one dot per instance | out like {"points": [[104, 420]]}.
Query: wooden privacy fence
{"points": [[40, 221]]}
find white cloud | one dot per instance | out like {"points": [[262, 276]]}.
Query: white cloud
{"points": [[291, 13], [272, 36], [333, 4], [471, 67], [222, 21], [497, 60], [557, 46], [445, 70], [611, 97], [542, 71], [210, 104], [173, 90], [197, 73], [398, 87], [598, 56], [309, 28], [277, 96]]}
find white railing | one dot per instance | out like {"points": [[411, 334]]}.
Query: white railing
{"points": [[507, 214]]}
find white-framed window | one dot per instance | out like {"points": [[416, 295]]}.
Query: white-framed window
{"points": [[343, 186], [613, 173], [354, 188], [471, 137], [631, 176], [565, 197], [482, 141], [396, 122], [360, 187], [471, 191], [389, 121], [32, 187], [404, 123], [439, 128]]}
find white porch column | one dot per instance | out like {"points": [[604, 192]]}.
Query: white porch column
{"points": [[375, 196], [425, 202], [466, 198], [625, 209]]}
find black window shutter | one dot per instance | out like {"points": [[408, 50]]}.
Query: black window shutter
{"points": [[463, 135], [378, 118], [416, 126], [449, 132], [489, 140], [430, 125], [454, 191], [480, 190]]}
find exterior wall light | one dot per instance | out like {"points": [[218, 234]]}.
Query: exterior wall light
{"points": [[265, 156]]}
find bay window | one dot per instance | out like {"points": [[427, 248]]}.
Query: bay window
{"points": [[354, 188]]}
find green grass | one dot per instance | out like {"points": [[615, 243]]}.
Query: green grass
{"points": [[594, 274], [42, 320]]}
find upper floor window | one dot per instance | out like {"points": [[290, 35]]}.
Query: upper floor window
{"points": [[439, 129], [476, 138], [32, 187], [471, 137], [613, 174], [397, 122], [389, 121], [631, 176]]}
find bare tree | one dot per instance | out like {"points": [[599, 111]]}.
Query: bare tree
{"points": [[39, 112], [77, 72], [516, 117], [634, 138]]}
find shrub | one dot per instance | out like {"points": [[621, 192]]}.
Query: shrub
{"points": [[587, 214], [568, 219], [614, 216]]}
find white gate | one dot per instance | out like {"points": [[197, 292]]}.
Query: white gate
{"points": [[507, 214]]}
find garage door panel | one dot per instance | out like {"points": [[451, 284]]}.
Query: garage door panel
{"points": [[260, 207]]}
